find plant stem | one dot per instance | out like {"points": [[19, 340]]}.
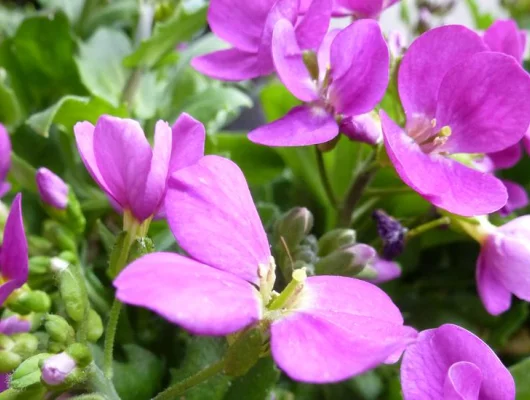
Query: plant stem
{"points": [[177, 389], [110, 336], [387, 191], [324, 178], [428, 226], [356, 191]]}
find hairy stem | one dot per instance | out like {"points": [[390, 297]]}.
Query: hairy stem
{"points": [[324, 178], [110, 336]]}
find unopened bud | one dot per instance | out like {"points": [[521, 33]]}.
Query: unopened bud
{"points": [[39, 265], [391, 232], [95, 326], [56, 369], [294, 225], [25, 302], [58, 265], [59, 329], [336, 239], [39, 246], [59, 235], [52, 189], [346, 262], [305, 254], [365, 128], [80, 353], [14, 324], [8, 361], [73, 293], [25, 344], [380, 271]]}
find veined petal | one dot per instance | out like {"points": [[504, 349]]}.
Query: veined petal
{"points": [[463, 382], [5, 153], [314, 24], [485, 111], [123, 156], [359, 68], [289, 63], [232, 65], [339, 327], [427, 61], [505, 37], [302, 126], [212, 215], [201, 299], [444, 182]]}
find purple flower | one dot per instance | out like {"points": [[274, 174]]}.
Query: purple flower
{"points": [[502, 267], [248, 27], [383, 270], [364, 128], [5, 159], [56, 368], [52, 189], [327, 329], [14, 324], [457, 100], [132, 174], [517, 198], [13, 253], [353, 73], [4, 382], [450, 362], [356, 8], [504, 36]]}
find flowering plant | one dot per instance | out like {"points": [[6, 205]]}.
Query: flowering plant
{"points": [[267, 199]]}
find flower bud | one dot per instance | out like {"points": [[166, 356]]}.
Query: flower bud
{"points": [[80, 353], [25, 344], [59, 329], [380, 271], [56, 368], [23, 376], [391, 232], [334, 240], [59, 235], [39, 265], [95, 326], [25, 302], [14, 324], [365, 128], [39, 246], [73, 293], [346, 262], [294, 225], [305, 254], [8, 361], [52, 189]]}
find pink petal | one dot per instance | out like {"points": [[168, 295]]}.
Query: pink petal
{"points": [[427, 61], [201, 299], [444, 182], [359, 68], [361, 8], [386, 270], [508, 157], [526, 141], [232, 65], [302, 126], [439, 352], [475, 95], [463, 382], [517, 197], [188, 142], [505, 37], [314, 24], [123, 157], [5, 153], [340, 327], [212, 215], [289, 63], [495, 297], [4, 382], [324, 53], [239, 23]]}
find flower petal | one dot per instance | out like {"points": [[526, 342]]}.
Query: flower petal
{"points": [[444, 182], [340, 327], [427, 61], [314, 24], [505, 37], [386, 270], [52, 189], [361, 8], [240, 24], [517, 197], [426, 363], [289, 63], [508, 157], [188, 140], [232, 65], [14, 324], [359, 68], [324, 53], [14, 253], [212, 215], [302, 126], [463, 382], [5, 153], [201, 299], [123, 156], [475, 97], [495, 297]]}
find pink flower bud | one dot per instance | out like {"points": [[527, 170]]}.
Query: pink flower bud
{"points": [[52, 189], [57, 368]]}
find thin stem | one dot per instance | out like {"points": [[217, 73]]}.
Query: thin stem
{"points": [[356, 191], [172, 392], [110, 336], [324, 178], [387, 191], [428, 226]]}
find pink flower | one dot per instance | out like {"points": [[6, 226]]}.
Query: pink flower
{"points": [[134, 176], [356, 8], [5, 159], [327, 329]]}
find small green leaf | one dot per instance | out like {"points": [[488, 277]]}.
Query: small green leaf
{"points": [[100, 64], [22, 173], [256, 384], [521, 375], [27, 373], [178, 29], [10, 111]]}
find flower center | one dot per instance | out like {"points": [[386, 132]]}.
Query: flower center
{"points": [[426, 133]]}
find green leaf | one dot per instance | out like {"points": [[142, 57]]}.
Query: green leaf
{"points": [[27, 373], [180, 28], [260, 164], [22, 173], [70, 110], [120, 14], [257, 384], [72, 8], [200, 353], [10, 110], [521, 375], [482, 20], [100, 64]]}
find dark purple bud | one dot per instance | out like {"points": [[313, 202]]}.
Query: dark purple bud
{"points": [[52, 189], [391, 232]]}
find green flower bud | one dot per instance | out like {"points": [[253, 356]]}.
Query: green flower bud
{"points": [[8, 361], [74, 215], [95, 326], [6, 343], [25, 302], [293, 226], [25, 345], [56, 347], [334, 240], [39, 246], [39, 265], [244, 353], [80, 353], [59, 235], [28, 373], [59, 329], [304, 253], [73, 293], [346, 262]]}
